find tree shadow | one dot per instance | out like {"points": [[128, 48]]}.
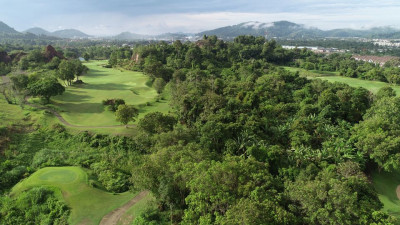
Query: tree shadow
{"points": [[76, 90], [107, 86], [96, 73], [71, 97], [84, 107]]}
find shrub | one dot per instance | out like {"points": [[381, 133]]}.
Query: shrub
{"points": [[58, 128], [113, 103]]}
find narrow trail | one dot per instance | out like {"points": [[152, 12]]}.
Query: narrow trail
{"points": [[113, 217], [63, 121]]}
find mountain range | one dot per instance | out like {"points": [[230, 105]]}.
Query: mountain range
{"points": [[67, 33], [5, 29], [279, 29], [289, 30]]}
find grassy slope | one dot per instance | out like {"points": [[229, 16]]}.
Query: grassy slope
{"points": [[88, 205], [372, 86], [10, 114], [385, 185], [136, 209], [13, 114], [81, 104]]}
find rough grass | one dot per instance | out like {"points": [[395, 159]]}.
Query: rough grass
{"points": [[385, 185], [10, 113], [372, 86], [136, 210], [88, 205], [82, 104]]}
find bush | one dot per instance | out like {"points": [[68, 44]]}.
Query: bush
{"points": [[113, 103], [113, 181], [58, 128], [36, 206], [49, 157]]}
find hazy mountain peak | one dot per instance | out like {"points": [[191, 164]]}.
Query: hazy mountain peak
{"points": [[4, 28], [69, 33], [284, 23], [37, 31]]}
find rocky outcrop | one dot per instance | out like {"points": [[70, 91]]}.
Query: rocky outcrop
{"points": [[4, 57], [16, 57], [51, 52], [135, 57]]}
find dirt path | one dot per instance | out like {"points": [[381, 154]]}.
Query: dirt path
{"points": [[113, 217], [63, 121]]}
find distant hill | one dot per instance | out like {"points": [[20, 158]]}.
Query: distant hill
{"points": [[5, 29], [38, 31], [279, 29], [173, 36], [69, 33], [130, 36], [286, 29], [275, 29], [34, 33]]}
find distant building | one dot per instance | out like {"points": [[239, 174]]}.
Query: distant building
{"points": [[381, 60], [315, 49]]}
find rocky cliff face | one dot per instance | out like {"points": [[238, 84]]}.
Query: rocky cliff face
{"points": [[4, 57], [135, 57], [51, 52]]}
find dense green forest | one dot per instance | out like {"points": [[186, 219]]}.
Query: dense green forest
{"points": [[247, 141], [349, 67]]}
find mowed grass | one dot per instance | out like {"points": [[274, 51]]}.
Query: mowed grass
{"points": [[82, 104], [372, 86], [385, 185], [309, 73], [88, 205]]}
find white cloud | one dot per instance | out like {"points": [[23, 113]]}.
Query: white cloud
{"points": [[324, 15]]}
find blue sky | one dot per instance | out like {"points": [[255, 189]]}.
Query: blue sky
{"points": [[108, 17]]}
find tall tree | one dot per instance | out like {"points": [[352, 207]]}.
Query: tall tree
{"points": [[378, 136], [125, 114], [66, 71], [45, 88]]}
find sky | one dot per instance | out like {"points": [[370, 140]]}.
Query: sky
{"points": [[110, 17]]}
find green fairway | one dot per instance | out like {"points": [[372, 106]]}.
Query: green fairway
{"points": [[372, 86], [88, 204], [82, 104], [311, 73], [386, 184]]}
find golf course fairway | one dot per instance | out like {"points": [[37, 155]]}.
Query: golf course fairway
{"points": [[88, 205], [370, 85], [81, 104]]}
